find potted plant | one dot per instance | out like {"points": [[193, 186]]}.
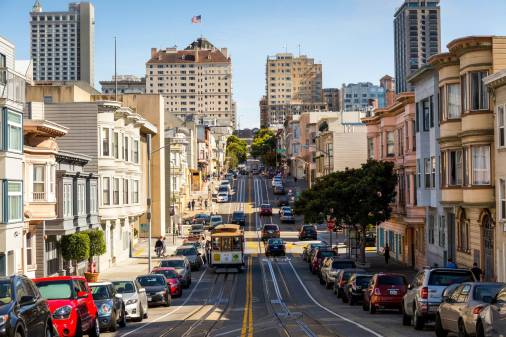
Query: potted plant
{"points": [[75, 247], [97, 248]]}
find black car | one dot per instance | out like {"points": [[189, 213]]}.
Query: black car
{"points": [[23, 311], [279, 189], [239, 218], [156, 289], [282, 201], [308, 232], [275, 247], [110, 306]]}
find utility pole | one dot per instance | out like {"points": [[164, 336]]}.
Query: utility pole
{"points": [[115, 74], [149, 202]]}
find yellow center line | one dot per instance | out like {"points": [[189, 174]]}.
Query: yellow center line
{"points": [[247, 329]]}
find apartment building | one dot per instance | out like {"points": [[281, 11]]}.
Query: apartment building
{"points": [[195, 82], [362, 96], [417, 36], [293, 85], [391, 137], [467, 147], [12, 99], [387, 82], [124, 84], [332, 97], [62, 43], [264, 113], [428, 163]]}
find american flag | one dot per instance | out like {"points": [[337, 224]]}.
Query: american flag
{"points": [[197, 19]]}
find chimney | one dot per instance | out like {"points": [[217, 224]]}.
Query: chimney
{"points": [[153, 52]]}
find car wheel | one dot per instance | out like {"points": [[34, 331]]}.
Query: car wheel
{"points": [[406, 319], [440, 332], [418, 321], [123, 322], [95, 329], [79, 329], [480, 331], [167, 301], [18, 333], [141, 314], [462, 329], [114, 323]]}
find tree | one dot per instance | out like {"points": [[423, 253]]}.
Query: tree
{"points": [[236, 150], [75, 247], [97, 246], [356, 197], [264, 146]]}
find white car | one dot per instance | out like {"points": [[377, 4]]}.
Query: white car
{"points": [[277, 181], [134, 296], [215, 221], [222, 197]]}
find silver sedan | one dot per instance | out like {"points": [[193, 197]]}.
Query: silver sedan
{"points": [[135, 299], [492, 320]]}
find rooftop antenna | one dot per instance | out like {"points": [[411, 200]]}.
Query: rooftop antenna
{"points": [[115, 74], [299, 48]]}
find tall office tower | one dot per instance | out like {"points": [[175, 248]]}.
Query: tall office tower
{"points": [[196, 82], [331, 97], [293, 85], [264, 116], [63, 43], [417, 37]]}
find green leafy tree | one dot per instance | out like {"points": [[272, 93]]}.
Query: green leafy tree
{"points": [[97, 245], [236, 150], [358, 197], [75, 247], [264, 146]]}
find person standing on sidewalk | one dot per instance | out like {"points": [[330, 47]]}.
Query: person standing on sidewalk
{"points": [[189, 205], [451, 264], [193, 204], [159, 246], [205, 203], [387, 253], [477, 272]]}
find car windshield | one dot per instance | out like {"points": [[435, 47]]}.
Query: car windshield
{"points": [[100, 292], [347, 275], [342, 264], [124, 287], [391, 280], [172, 263], [363, 281], [223, 189], [55, 290], [287, 213], [151, 281], [309, 229], [266, 206], [238, 215], [275, 242], [216, 218], [445, 278], [5, 292], [201, 216], [222, 194], [168, 273], [486, 292], [270, 227], [186, 251]]}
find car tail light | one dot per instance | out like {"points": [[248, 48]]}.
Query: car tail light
{"points": [[424, 293], [477, 310], [377, 291]]}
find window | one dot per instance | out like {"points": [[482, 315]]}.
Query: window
{"points": [[500, 125], [427, 172], [453, 101], [413, 136], [481, 165], [52, 178], [418, 173], [39, 176], [441, 231], [463, 233], [105, 142], [135, 191], [430, 232], [29, 249], [502, 199], [370, 148], [14, 201], [431, 99], [81, 199], [106, 191], [426, 114], [125, 144], [3, 71], [390, 144], [115, 145], [93, 199], [479, 94], [417, 116], [433, 172], [455, 167], [52, 256], [125, 191], [14, 131], [463, 91], [115, 191], [67, 200], [135, 151]]}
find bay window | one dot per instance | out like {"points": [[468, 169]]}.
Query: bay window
{"points": [[481, 165], [125, 144], [390, 144], [135, 151], [115, 145], [427, 170], [455, 167], [125, 191], [433, 172], [370, 148], [478, 91], [67, 200], [93, 199], [81, 199], [426, 114], [500, 126], [453, 109], [502, 199], [13, 193], [39, 176], [106, 191], [105, 141], [115, 191], [14, 131], [135, 191]]}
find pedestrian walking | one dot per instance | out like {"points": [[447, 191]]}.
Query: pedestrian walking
{"points": [[189, 205], [193, 204], [450, 264], [205, 203], [159, 246], [387, 253], [477, 272]]}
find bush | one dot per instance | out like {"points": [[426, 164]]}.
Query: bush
{"points": [[97, 242], [75, 247]]}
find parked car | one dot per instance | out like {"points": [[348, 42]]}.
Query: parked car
{"points": [[462, 305], [309, 249], [284, 208], [287, 216], [222, 197], [239, 218], [276, 181], [182, 266], [491, 321], [308, 232], [71, 304], [173, 282], [265, 209], [270, 231], [282, 201], [192, 254], [385, 291], [425, 293], [201, 218], [24, 311], [275, 247], [215, 221], [279, 189], [342, 277], [135, 299], [156, 289], [330, 269], [110, 305], [224, 189], [197, 229], [317, 259], [354, 290]]}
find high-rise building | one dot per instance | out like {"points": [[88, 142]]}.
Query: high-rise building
{"points": [[264, 115], [387, 82], [292, 84], [196, 82], [126, 84], [331, 97], [417, 37], [63, 43], [361, 96]]}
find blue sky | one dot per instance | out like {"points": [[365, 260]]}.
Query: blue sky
{"points": [[353, 39]]}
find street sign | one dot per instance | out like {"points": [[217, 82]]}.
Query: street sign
{"points": [[331, 224], [280, 150]]}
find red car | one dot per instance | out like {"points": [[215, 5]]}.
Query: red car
{"points": [[176, 288], [385, 291], [71, 304], [320, 254], [265, 209]]}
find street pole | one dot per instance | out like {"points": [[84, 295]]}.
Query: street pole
{"points": [[149, 201], [170, 195]]}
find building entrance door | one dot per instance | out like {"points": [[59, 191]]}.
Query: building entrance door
{"points": [[488, 247], [451, 236]]}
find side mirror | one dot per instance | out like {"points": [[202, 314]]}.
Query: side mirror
{"points": [[82, 294], [26, 300], [118, 296], [142, 290]]}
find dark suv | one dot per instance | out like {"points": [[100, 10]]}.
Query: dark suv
{"points": [[23, 311], [239, 218], [307, 232]]}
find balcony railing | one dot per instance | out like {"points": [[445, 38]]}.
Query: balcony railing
{"points": [[12, 86], [39, 196]]}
